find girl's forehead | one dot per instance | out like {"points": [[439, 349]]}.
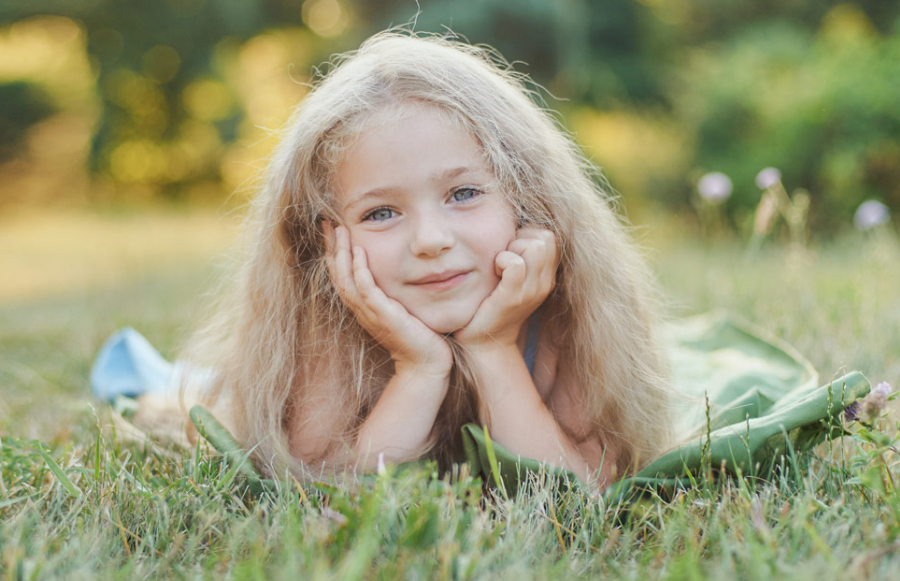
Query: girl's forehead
{"points": [[383, 122], [408, 149]]}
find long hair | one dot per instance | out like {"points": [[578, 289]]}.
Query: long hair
{"points": [[281, 333]]}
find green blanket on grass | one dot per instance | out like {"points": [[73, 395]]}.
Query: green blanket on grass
{"points": [[745, 400]]}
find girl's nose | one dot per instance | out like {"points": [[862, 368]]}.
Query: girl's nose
{"points": [[431, 236]]}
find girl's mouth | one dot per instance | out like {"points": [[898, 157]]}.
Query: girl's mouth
{"points": [[441, 280]]}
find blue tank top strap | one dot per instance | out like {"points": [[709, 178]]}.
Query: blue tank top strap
{"points": [[531, 339]]}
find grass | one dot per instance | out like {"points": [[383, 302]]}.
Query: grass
{"points": [[81, 501]]}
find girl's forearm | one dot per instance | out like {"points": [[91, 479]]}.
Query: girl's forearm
{"points": [[515, 414], [401, 421]]}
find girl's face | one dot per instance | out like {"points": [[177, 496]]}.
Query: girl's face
{"points": [[417, 195]]}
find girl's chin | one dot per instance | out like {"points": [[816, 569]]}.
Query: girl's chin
{"points": [[444, 325]]}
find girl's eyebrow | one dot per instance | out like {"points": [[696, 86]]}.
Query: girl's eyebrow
{"points": [[450, 173], [373, 193], [437, 177]]}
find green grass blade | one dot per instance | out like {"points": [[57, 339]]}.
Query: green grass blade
{"points": [[97, 460], [238, 464], [492, 460], [60, 474], [12, 501]]}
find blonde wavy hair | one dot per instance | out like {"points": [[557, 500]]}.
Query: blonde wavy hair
{"points": [[280, 329]]}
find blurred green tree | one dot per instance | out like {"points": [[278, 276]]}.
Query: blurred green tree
{"points": [[821, 106], [156, 74], [594, 51], [809, 86]]}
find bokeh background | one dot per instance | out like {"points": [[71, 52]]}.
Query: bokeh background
{"points": [[134, 132], [131, 133], [756, 148]]}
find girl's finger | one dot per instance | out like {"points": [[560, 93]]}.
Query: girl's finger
{"points": [[341, 268], [541, 242], [340, 258], [519, 245], [534, 252], [510, 267], [362, 276], [538, 248], [372, 297], [383, 312], [549, 258]]}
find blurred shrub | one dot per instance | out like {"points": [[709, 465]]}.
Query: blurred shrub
{"points": [[22, 104], [822, 107], [641, 153], [597, 52], [184, 94], [168, 112]]}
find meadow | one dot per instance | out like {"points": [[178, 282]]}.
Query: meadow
{"points": [[79, 500]]}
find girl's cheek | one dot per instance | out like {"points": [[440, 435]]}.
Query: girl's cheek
{"points": [[376, 267], [382, 264]]}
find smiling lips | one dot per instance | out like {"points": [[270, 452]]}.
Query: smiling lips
{"points": [[441, 280]]}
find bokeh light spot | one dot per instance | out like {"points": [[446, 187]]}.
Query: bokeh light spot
{"points": [[847, 23], [325, 17], [137, 160], [208, 100]]}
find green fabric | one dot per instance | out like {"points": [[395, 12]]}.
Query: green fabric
{"points": [[222, 440], [740, 369], [763, 401]]}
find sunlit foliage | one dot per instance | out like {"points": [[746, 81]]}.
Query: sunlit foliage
{"points": [[182, 99]]}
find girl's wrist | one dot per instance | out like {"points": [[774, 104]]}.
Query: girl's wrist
{"points": [[434, 368], [493, 363], [493, 353], [432, 360], [422, 386], [489, 342]]}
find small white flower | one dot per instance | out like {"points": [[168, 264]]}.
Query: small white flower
{"points": [[767, 178], [871, 213], [714, 187], [884, 388], [873, 404], [379, 465], [869, 408]]}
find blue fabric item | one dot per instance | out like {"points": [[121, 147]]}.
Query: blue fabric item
{"points": [[531, 340], [128, 365]]}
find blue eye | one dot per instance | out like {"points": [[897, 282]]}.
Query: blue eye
{"points": [[464, 194], [379, 214]]}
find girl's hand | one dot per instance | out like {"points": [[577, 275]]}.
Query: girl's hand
{"points": [[410, 342], [527, 271]]}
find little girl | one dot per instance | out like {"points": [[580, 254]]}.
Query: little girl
{"points": [[429, 249]]}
